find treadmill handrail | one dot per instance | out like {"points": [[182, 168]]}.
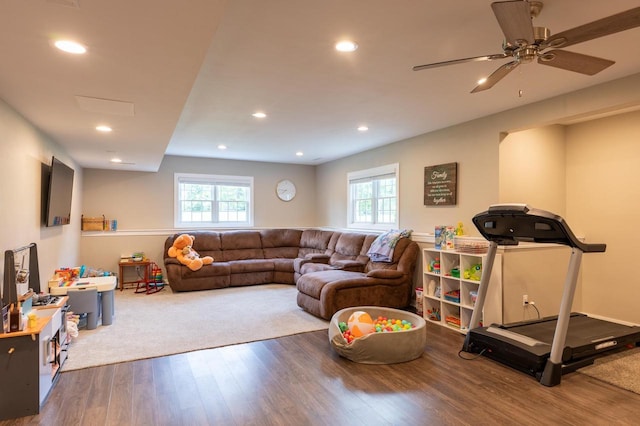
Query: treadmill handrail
{"points": [[508, 224]]}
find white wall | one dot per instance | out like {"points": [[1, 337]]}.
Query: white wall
{"points": [[533, 171], [586, 172], [24, 151], [532, 168], [603, 202], [142, 202], [471, 145], [475, 147]]}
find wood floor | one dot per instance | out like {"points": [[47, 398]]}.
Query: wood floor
{"points": [[299, 380]]}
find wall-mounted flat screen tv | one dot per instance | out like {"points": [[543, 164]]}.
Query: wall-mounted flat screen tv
{"points": [[59, 194]]}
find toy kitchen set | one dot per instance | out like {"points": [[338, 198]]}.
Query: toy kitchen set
{"points": [[33, 336]]}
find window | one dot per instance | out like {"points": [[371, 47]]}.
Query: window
{"points": [[373, 198], [202, 201]]}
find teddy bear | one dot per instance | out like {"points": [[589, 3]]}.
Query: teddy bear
{"points": [[182, 249]]}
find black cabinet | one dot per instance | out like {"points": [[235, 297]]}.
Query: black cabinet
{"points": [[30, 363]]}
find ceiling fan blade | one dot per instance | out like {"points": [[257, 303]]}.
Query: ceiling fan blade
{"points": [[576, 62], [602, 27], [496, 76], [514, 18], [460, 61]]}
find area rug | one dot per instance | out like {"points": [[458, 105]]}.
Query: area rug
{"points": [[621, 369], [165, 323]]}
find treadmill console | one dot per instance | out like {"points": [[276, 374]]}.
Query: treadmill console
{"points": [[508, 224]]}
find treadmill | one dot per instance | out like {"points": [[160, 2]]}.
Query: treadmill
{"points": [[548, 347]]}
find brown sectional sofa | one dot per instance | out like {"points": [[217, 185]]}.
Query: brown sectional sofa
{"points": [[331, 268], [324, 289]]}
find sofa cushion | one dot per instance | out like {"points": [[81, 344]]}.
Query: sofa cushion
{"points": [[314, 241], [325, 292], [402, 260], [385, 273], [241, 245], [181, 278], [206, 243], [213, 270], [251, 278], [309, 267], [348, 246], [346, 251], [280, 243], [313, 283], [250, 265], [282, 264]]}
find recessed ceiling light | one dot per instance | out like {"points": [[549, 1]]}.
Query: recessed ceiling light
{"points": [[259, 114], [363, 128], [103, 128], [482, 80], [299, 153], [223, 147], [116, 160], [70, 47], [346, 46]]}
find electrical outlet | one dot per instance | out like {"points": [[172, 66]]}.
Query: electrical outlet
{"points": [[525, 300]]}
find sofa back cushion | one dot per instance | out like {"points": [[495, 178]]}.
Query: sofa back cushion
{"points": [[404, 257], [241, 245], [280, 243], [348, 246], [314, 241], [206, 243], [366, 245]]}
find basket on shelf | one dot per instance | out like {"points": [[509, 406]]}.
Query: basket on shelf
{"points": [[472, 245], [92, 223]]}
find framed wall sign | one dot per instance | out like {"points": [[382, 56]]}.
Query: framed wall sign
{"points": [[440, 185]]}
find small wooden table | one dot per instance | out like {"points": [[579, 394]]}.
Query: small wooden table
{"points": [[139, 265], [145, 283]]}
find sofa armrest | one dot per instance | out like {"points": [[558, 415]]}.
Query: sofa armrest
{"points": [[317, 257], [171, 261], [385, 273], [309, 258], [349, 265]]}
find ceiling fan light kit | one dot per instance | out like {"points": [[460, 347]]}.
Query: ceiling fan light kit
{"points": [[524, 43]]}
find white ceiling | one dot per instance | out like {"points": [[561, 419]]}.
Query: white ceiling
{"points": [[195, 72]]}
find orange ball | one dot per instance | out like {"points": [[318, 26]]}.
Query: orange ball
{"points": [[360, 324]]}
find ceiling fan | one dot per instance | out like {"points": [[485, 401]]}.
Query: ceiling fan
{"points": [[523, 42]]}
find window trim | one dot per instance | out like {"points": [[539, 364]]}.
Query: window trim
{"points": [[388, 169], [178, 178]]}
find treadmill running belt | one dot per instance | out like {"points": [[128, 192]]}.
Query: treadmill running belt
{"points": [[587, 337], [583, 330]]}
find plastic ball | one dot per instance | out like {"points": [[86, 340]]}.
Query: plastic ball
{"points": [[360, 324]]}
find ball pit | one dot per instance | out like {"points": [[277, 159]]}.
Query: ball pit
{"points": [[398, 336]]}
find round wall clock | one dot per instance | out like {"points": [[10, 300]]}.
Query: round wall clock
{"points": [[286, 190]]}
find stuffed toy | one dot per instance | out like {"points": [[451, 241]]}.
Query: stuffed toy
{"points": [[182, 249]]}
